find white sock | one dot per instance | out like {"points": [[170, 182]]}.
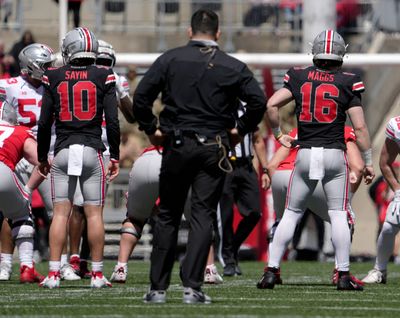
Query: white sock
{"points": [[97, 266], [25, 251], [283, 235], [124, 265], [385, 245], [340, 239], [6, 258], [64, 259], [54, 266]]}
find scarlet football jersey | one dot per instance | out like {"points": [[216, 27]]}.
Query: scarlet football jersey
{"points": [[322, 99], [12, 139]]}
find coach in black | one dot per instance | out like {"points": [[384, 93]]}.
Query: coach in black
{"points": [[199, 85]]}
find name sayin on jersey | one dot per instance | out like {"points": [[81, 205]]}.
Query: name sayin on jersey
{"points": [[76, 75], [320, 76]]}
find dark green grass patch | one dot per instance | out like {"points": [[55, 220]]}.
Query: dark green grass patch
{"points": [[307, 292]]}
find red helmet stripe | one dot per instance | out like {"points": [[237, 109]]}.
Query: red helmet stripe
{"points": [[328, 41], [88, 39]]}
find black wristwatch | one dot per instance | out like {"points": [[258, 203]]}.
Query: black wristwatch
{"points": [[265, 170]]}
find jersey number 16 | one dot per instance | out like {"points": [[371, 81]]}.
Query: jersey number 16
{"points": [[325, 107]]}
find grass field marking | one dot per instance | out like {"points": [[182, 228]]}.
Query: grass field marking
{"points": [[215, 305]]}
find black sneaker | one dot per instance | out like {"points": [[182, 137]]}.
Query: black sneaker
{"points": [[238, 270], [346, 282], [155, 297], [269, 279], [229, 270], [193, 296]]}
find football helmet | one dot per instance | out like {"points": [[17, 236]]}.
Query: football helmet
{"points": [[8, 113], [34, 59], [105, 54], [80, 43], [329, 45]]}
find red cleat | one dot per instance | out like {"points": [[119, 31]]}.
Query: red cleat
{"points": [[74, 262], [29, 275], [335, 278]]}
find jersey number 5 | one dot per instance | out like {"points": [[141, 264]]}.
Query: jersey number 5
{"points": [[75, 104], [325, 107]]}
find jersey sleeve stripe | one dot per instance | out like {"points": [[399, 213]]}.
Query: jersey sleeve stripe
{"points": [[286, 78], [45, 80], [3, 91], [358, 86], [110, 79], [390, 133]]}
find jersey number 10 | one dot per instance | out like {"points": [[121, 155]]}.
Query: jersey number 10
{"points": [[73, 105], [325, 107]]}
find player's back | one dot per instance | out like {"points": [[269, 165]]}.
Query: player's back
{"points": [[12, 140], [322, 99], [78, 95]]}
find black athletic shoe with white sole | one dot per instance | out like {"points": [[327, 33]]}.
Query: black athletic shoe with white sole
{"points": [[193, 296], [155, 297]]}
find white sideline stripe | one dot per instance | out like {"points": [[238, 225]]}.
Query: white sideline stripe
{"points": [[269, 306]]}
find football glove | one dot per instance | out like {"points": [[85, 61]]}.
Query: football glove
{"points": [[119, 86]]}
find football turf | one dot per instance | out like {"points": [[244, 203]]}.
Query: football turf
{"points": [[306, 292]]}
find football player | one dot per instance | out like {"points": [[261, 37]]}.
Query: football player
{"points": [[77, 95], [323, 95], [280, 168], [390, 228], [17, 142], [24, 93], [77, 225], [142, 196]]}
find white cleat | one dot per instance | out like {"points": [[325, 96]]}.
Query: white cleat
{"points": [[5, 271], [119, 274], [375, 277], [51, 281], [211, 275], [99, 281], [68, 273]]}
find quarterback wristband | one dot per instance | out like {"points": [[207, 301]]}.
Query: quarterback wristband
{"points": [[367, 157], [277, 132]]}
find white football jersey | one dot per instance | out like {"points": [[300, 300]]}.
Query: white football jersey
{"points": [[393, 129], [25, 98], [123, 82]]}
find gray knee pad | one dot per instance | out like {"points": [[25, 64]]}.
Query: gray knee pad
{"points": [[22, 229]]}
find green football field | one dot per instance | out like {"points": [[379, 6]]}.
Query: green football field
{"points": [[306, 292]]}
